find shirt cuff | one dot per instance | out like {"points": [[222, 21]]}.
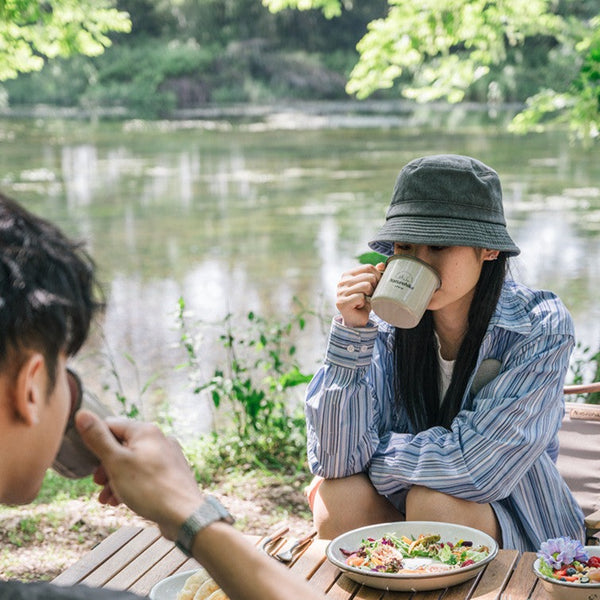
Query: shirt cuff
{"points": [[350, 347]]}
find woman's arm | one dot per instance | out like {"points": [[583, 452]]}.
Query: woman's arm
{"points": [[490, 447], [348, 401]]}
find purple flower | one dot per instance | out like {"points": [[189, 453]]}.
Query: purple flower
{"points": [[562, 551]]}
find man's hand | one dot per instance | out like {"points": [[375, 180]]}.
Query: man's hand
{"points": [[142, 468]]}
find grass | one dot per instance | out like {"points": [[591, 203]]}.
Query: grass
{"points": [[39, 541], [56, 488]]}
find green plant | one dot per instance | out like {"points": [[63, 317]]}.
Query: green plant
{"points": [[259, 369], [129, 408], [371, 258], [56, 488], [585, 367], [27, 530]]}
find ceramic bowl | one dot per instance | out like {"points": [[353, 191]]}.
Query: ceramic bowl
{"points": [[410, 582], [565, 590]]}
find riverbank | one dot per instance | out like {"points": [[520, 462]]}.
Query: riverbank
{"points": [[337, 113], [38, 542]]}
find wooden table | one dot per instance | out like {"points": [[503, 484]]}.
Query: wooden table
{"points": [[135, 559]]}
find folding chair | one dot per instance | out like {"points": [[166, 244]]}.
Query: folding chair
{"points": [[579, 456]]}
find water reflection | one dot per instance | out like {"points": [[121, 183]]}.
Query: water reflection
{"points": [[249, 215]]}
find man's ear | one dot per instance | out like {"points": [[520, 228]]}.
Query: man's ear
{"points": [[30, 389]]}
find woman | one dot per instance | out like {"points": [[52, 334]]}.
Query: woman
{"points": [[457, 419]]}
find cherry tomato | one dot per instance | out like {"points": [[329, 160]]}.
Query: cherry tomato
{"points": [[594, 561], [558, 573]]}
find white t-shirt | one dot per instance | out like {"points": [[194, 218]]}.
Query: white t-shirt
{"points": [[446, 370]]}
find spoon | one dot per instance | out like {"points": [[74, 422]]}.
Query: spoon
{"points": [[287, 554]]}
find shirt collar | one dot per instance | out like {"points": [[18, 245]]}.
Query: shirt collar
{"points": [[510, 313]]}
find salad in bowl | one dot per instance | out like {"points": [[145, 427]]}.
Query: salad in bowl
{"points": [[568, 570]]}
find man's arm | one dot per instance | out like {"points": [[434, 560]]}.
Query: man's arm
{"points": [[147, 471]]}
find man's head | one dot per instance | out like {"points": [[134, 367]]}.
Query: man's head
{"points": [[47, 301]]}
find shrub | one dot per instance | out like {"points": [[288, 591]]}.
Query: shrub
{"points": [[265, 430]]}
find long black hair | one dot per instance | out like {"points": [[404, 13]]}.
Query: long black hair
{"points": [[416, 364]]}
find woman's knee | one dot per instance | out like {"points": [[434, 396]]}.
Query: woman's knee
{"points": [[332, 505], [425, 504], [347, 503]]}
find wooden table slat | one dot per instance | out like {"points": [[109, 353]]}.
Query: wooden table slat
{"points": [[172, 562], [312, 558], [136, 559], [427, 595], [539, 593], [463, 590], [97, 556], [120, 559], [343, 588], [368, 593], [522, 582], [325, 576], [496, 576], [126, 578]]}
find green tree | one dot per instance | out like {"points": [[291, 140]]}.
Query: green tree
{"points": [[32, 32], [442, 47]]}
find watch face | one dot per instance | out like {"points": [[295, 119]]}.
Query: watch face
{"points": [[221, 511], [208, 512]]}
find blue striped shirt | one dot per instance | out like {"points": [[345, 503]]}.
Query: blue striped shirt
{"points": [[502, 445]]}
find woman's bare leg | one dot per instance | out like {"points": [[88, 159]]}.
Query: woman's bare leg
{"points": [[347, 503], [350, 502], [424, 504]]}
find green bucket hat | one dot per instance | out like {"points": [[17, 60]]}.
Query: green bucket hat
{"points": [[446, 200]]}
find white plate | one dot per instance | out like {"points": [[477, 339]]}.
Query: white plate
{"points": [[567, 590], [168, 588], [410, 582]]}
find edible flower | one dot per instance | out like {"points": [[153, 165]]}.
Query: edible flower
{"points": [[562, 551]]}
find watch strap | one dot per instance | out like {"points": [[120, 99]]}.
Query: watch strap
{"points": [[208, 512]]}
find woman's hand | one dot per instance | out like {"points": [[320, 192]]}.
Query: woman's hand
{"points": [[354, 292]]}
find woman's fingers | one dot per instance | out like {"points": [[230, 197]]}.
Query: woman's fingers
{"points": [[353, 294]]}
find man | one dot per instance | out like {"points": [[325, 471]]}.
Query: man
{"points": [[48, 297]]}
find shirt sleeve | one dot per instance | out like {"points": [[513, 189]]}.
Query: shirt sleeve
{"points": [[512, 421], [347, 402], [14, 590]]}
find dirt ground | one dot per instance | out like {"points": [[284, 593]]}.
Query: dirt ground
{"points": [[38, 542]]}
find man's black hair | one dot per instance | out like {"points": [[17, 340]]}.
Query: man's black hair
{"points": [[47, 288]]}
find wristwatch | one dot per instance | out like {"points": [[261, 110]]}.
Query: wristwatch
{"points": [[208, 512]]}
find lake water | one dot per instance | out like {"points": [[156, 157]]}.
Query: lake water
{"points": [[248, 211]]}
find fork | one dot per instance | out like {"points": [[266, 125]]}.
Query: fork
{"points": [[288, 554]]}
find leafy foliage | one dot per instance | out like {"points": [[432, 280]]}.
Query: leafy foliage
{"points": [[441, 48], [265, 430], [579, 106], [446, 44], [585, 368], [56, 488], [371, 258], [31, 32], [330, 8]]}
